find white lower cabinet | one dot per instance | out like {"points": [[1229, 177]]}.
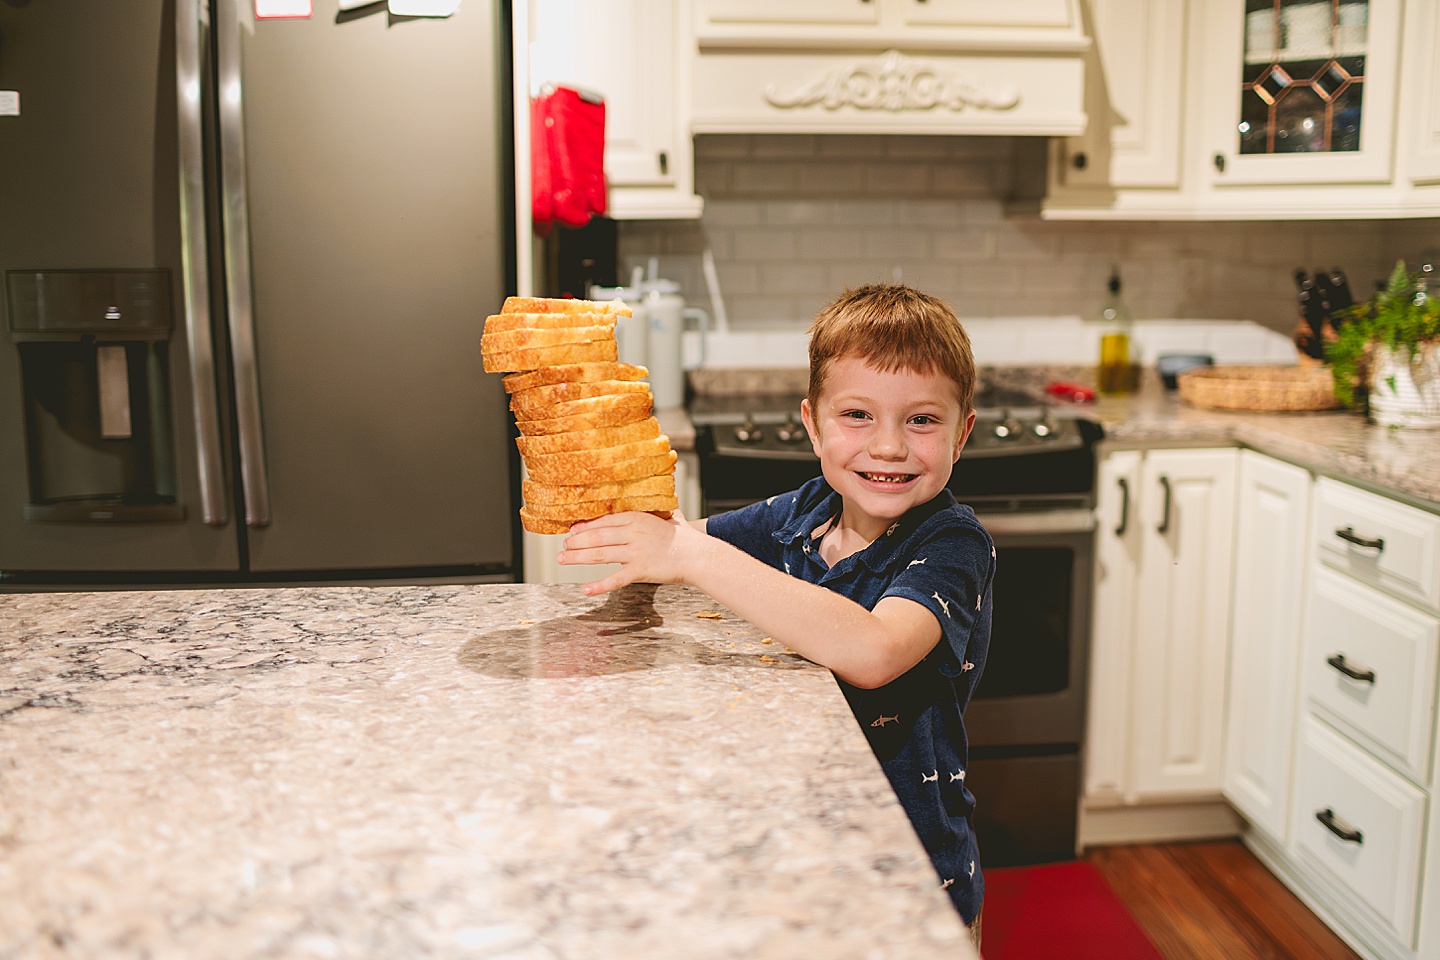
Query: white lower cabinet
{"points": [[1271, 524], [1161, 626]]}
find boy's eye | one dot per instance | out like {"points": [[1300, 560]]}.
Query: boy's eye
{"points": [[855, 414], [923, 419]]}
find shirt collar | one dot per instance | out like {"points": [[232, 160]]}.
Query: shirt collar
{"points": [[880, 551]]}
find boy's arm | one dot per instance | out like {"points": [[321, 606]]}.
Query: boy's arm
{"points": [[864, 648]]}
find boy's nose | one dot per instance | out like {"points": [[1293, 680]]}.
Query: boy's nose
{"points": [[888, 443]]}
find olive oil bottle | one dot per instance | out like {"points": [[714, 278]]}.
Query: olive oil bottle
{"points": [[1118, 372]]}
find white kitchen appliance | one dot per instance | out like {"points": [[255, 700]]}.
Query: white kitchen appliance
{"points": [[667, 314]]}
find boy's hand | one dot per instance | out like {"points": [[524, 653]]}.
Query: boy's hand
{"points": [[649, 549]]}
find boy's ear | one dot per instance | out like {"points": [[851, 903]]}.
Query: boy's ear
{"points": [[807, 417], [964, 435]]}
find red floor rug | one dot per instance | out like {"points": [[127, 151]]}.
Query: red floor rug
{"points": [[1061, 910]]}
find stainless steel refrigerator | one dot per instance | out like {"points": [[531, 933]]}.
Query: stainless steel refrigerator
{"points": [[246, 265]]}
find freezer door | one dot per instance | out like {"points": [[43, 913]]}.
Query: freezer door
{"points": [[374, 153], [108, 401]]}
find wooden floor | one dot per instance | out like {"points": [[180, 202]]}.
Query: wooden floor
{"points": [[1214, 901]]}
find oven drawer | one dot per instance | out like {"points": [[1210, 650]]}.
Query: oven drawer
{"points": [[1371, 849], [1388, 545], [1370, 668]]}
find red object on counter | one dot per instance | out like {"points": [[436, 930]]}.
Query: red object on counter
{"points": [[567, 154], [1073, 392]]}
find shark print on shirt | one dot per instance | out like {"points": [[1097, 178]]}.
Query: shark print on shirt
{"points": [[881, 721], [944, 604], [933, 778], [916, 563]]}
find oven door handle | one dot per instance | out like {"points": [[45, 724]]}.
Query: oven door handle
{"points": [[1045, 521]]}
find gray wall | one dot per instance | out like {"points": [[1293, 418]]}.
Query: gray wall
{"points": [[794, 219]]}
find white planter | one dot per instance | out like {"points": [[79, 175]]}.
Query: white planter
{"points": [[1405, 393]]}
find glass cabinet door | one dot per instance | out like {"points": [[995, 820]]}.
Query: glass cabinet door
{"points": [[1304, 91]]}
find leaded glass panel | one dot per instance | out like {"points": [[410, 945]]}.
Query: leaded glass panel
{"points": [[1302, 83]]}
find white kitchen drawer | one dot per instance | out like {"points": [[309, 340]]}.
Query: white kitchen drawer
{"points": [[1404, 559], [1379, 868], [1390, 708]]}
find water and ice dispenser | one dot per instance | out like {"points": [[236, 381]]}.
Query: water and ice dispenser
{"points": [[94, 350]]}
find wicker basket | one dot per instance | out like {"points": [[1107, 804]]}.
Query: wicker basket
{"points": [[1259, 388]]}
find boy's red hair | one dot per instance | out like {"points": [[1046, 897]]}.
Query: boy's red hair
{"points": [[892, 327]]}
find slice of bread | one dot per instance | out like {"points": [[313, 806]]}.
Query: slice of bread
{"points": [[543, 444], [596, 351], [648, 459], [573, 373], [566, 305], [534, 491], [535, 403], [591, 413], [529, 338], [590, 509], [505, 322]]}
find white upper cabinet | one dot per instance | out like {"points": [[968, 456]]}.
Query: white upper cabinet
{"points": [[1255, 109], [1420, 94], [1133, 92], [636, 55], [1300, 91]]}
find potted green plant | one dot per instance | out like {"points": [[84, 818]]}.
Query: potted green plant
{"points": [[1388, 345]]}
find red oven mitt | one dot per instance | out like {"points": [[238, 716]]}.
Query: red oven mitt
{"points": [[572, 130]]}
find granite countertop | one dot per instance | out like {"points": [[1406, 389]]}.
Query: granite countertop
{"points": [[1337, 443], [497, 771]]}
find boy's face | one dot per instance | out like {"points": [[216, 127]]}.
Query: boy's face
{"points": [[886, 441]]}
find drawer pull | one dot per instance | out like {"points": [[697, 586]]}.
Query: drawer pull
{"points": [[1339, 827], [1362, 676], [1164, 526], [1348, 534]]}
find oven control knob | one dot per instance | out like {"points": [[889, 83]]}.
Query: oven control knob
{"points": [[1007, 429], [1042, 429], [748, 432]]}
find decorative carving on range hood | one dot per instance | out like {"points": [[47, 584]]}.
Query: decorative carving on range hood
{"points": [[895, 83]]}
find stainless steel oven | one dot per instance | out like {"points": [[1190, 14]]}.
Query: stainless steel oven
{"points": [[1029, 473]]}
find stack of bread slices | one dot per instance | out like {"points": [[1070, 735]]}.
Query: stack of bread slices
{"points": [[588, 441]]}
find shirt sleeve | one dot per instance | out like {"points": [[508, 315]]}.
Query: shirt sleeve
{"points": [[752, 528], [950, 572]]}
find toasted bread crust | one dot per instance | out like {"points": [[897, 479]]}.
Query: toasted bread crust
{"points": [[567, 469], [573, 373], [590, 509], [506, 322], [508, 341], [595, 351], [588, 439], [535, 403], [552, 305], [534, 491], [591, 413]]}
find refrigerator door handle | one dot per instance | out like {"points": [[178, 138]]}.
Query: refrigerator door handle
{"points": [[194, 266], [235, 227]]}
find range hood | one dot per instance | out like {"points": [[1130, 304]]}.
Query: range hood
{"points": [[971, 67]]}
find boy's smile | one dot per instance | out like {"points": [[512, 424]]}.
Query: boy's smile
{"points": [[887, 441]]}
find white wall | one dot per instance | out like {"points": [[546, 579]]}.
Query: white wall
{"points": [[793, 220]]}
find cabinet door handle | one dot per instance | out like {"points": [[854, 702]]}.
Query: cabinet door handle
{"points": [[664, 163], [1165, 507], [1348, 534], [1219, 159], [1361, 676], [1339, 827], [1124, 507]]}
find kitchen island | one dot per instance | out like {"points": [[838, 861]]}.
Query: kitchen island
{"points": [[510, 771]]}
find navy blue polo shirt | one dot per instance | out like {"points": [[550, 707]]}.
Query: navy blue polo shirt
{"points": [[939, 556]]}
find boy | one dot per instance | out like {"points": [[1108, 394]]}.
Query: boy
{"points": [[872, 570]]}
